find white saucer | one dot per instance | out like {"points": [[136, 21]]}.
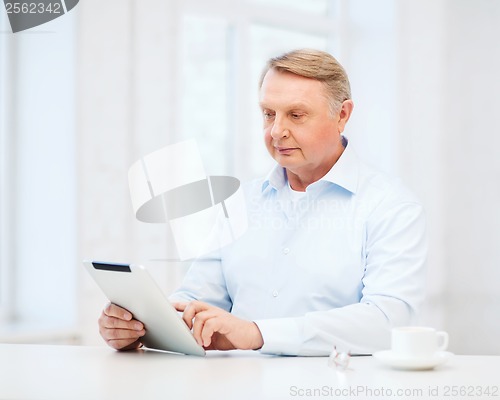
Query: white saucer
{"points": [[394, 360]]}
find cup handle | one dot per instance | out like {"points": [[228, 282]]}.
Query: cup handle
{"points": [[444, 336]]}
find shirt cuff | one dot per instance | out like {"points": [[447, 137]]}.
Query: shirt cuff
{"points": [[282, 336]]}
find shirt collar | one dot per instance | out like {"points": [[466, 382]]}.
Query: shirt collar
{"points": [[344, 173], [275, 179]]}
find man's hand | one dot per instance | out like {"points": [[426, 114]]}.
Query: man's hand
{"points": [[216, 329], [119, 330]]}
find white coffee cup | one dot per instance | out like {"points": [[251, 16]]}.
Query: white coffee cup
{"points": [[418, 341]]}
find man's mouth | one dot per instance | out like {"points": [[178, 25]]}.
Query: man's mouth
{"points": [[285, 150]]}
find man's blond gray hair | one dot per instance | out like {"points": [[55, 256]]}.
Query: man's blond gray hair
{"points": [[315, 64]]}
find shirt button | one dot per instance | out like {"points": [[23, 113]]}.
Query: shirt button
{"points": [[275, 293], [286, 250]]}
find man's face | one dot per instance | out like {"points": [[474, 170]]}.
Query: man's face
{"points": [[300, 132]]}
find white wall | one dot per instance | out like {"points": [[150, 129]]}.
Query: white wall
{"points": [[420, 131], [471, 166], [448, 153]]}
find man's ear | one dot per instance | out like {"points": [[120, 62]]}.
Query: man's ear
{"points": [[345, 114]]}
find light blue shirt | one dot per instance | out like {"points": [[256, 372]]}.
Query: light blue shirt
{"points": [[337, 266]]}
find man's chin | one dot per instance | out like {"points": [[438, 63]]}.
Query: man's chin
{"points": [[287, 163]]}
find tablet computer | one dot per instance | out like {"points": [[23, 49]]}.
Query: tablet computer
{"points": [[131, 286]]}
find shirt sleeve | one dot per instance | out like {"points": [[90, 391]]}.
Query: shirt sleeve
{"points": [[393, 288], [205, 282]]}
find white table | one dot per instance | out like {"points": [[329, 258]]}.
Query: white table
{"points": [[72, 372]]}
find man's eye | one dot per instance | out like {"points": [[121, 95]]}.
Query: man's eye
{"points": [[268, 115], [296, 116]]}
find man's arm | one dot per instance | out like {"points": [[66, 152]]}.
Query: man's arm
{"points": [[393, 289], [205, 303], [217, 329], [204, 281], [394, 285]]}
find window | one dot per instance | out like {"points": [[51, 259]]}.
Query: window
{"points": [[224, 48], [205, 88], [37, 174]]}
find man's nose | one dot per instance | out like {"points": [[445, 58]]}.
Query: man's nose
{"points": [[279, 129]]}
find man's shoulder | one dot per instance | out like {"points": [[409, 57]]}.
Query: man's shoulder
{"points": [[254, 186], [384, 187]]}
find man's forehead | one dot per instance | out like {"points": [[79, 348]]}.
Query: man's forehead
{"points": [[285, 88], [297, 104]]}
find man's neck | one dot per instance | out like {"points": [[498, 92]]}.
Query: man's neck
{"points": [[300, 180]]}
